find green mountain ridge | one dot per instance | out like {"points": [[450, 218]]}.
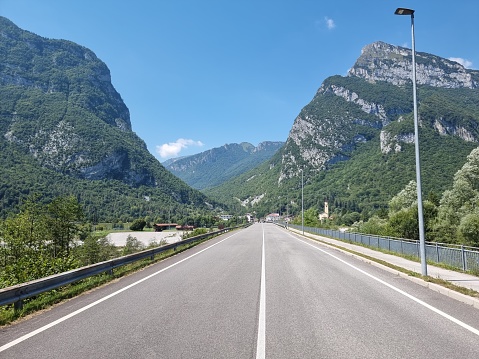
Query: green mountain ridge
{"points": [[213, 167], [354, 140], [66, 130]]}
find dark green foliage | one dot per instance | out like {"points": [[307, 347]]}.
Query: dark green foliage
{"points": [[195, 232], [457, 210], [349, 218], [138, 224], [404, 224], [310, 218], [39, 240], [96, 249], [395, 100], [469, 229]]}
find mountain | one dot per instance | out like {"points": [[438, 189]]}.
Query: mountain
{"points": [[66, 130], [355, 139], [214, 167]]}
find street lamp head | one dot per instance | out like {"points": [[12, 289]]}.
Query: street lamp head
{"points": [[403, 11]]}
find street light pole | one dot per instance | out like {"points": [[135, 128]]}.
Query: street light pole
{"points": [[422, 245]]}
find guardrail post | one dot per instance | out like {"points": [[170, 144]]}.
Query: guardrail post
{"points": [[463, 255], [437, 253], [18, 305]]}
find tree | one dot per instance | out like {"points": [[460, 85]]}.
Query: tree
{"points": [[96, 249], [132, 245], [24, 250], [64, 216], [404, 199], [469, 229], [350, 218], [460, 201], [404, 224], [138, 224], [311, 217], [374, 225], [37, 241]]}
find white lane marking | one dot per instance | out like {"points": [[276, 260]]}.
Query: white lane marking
{"points": [[417, 300], [261, 342], [62, 319]]}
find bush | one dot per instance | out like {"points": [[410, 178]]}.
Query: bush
{"points": [[375, 225], [132, 245], [138, 225]]}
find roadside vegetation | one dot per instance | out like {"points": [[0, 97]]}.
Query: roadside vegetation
{"points": [[45, 300], [46, 239], [452, 218]]}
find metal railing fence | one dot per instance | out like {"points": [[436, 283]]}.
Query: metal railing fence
{"points": [[17, 293], [457, 256]]}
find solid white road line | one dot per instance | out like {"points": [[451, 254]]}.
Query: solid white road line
{"points": [[417, 300], [261, 342], [62, 319]]}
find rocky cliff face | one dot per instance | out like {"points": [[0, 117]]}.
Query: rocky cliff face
{"points": [[60, 107], [59, 66], [64, 129], [383, 62], [374, 95]]}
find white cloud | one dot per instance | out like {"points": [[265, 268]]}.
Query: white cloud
{"points": [[172, 149], [329, 23], [466, 63]]}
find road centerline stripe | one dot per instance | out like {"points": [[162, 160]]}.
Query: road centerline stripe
{"points": [[261, 341]]}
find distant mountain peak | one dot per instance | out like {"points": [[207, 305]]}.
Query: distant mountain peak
{"points": [[215, 166], [380, 61]]}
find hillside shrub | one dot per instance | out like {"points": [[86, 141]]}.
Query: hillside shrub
{"points": [[138, 225]]}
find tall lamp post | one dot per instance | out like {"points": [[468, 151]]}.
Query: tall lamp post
{"points": [[422, 246]]}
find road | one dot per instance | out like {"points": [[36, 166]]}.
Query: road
{"points": [[260, 292]]}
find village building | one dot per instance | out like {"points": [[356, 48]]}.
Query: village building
{"points": [[325, 215]]}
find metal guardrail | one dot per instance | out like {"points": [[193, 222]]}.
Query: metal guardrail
{"points": [[457, 256], [17, 293]]}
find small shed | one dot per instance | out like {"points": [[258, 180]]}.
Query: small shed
{"points": [[159, 227]]}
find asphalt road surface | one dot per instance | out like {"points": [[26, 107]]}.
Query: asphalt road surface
{"points": [[260, 292]]}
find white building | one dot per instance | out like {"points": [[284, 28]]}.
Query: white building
{"points": [[226, 217]]}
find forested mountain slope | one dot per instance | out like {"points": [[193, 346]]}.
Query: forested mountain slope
{"points": [[64, 129], [213, 167], [355, 139]]}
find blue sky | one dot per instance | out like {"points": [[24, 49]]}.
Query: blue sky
{"points": [[199, 74]]}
